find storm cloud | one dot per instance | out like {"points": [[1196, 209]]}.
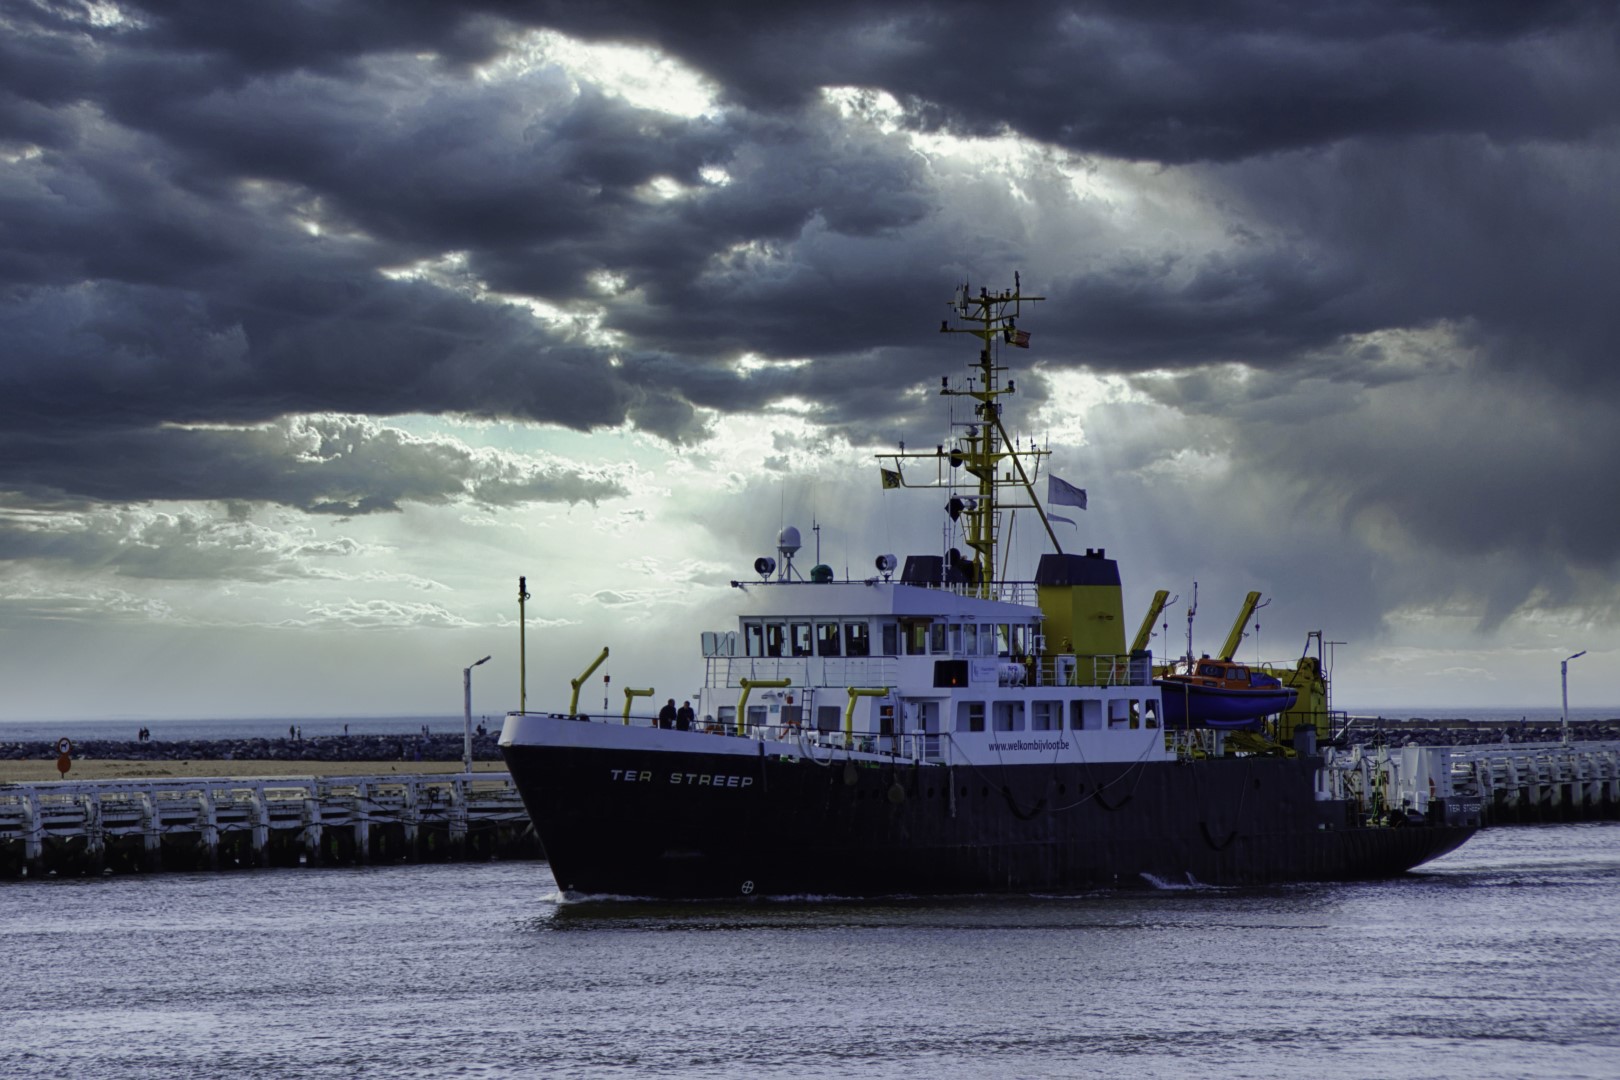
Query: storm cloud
{"points": [[1364, 251]]}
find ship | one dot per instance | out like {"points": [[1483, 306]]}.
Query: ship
{"points": [[934, 729]]}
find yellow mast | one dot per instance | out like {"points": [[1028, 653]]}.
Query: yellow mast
{"points": [[985, 446]]}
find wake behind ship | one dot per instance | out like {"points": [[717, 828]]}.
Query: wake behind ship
{"points": [[933, 730]]}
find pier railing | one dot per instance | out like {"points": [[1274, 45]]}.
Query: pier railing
{"points": [[215, 822], [1497, 784]]}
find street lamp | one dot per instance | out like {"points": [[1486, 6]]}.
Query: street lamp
{"points": [[466, 694], [1563, 674]]}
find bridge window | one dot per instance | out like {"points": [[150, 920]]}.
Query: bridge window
{"points": [[775, 638], [970, 639], [753, 639], [857, 639], [891, 640], [937, 639], [970, 716], [827, 639], [799, 634], [917, 639]]}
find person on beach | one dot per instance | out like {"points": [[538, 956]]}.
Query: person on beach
{"points": [[666, 715]]}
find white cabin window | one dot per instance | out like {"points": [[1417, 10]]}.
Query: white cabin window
{"points": [[753, 639], [827, 639], [1086, 715], [970, 639], [891, 640], [1045, 715], [917, 639], [970, 716], [987, 640], [857, 639], [936, 642], [726, 715], [756, 716], [956, 639], [1003, 639], [1150, 713], [1121, 713], [775, 639], [799, 636], [1009, 715]]}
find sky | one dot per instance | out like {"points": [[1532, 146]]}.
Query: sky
{"points": [[322, 322]]}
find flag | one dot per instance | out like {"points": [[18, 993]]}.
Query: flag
{"points": [[1019, 338], [891, 479], [1063, 493], [1057, 517]]}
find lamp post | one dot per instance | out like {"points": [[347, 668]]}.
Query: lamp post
{"points": [[1563, 675], [466, 694]]}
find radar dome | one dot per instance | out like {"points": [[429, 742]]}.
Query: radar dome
{"points": [[787, 541]]}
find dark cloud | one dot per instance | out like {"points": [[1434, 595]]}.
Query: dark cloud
{"points": [[1168, 82], [229, 218], [320, 464]]}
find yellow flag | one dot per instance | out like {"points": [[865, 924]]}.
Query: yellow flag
{"points": [[891, 479]]}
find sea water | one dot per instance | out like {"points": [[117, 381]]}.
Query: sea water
{"points": [[1500, 960]]}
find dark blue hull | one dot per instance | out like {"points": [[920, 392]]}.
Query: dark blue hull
{"points": [[650, 823]]}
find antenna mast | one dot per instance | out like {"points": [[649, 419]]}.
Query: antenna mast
{"points": [[984, 445]]}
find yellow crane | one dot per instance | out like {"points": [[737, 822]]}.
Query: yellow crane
{"points": [[1235, 638], [1153, 610]]}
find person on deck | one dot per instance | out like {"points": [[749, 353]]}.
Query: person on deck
{"points": [[684, 716], [666, 715]]}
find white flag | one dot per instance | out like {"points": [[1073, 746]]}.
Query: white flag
{"points": [[1063, 493], [1056, 517]]}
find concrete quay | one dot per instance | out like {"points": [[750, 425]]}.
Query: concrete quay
{"points": [[222, 823]]}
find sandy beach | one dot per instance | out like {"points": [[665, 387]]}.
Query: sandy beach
{"points": [[12, 772]]}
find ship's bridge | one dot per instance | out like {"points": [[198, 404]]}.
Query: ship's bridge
{"points": [[877, 633]]}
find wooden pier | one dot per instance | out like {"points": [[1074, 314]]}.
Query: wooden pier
{"points": [[218, 823]]}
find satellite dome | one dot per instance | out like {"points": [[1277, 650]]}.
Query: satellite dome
{"points": [[787, 541]]}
